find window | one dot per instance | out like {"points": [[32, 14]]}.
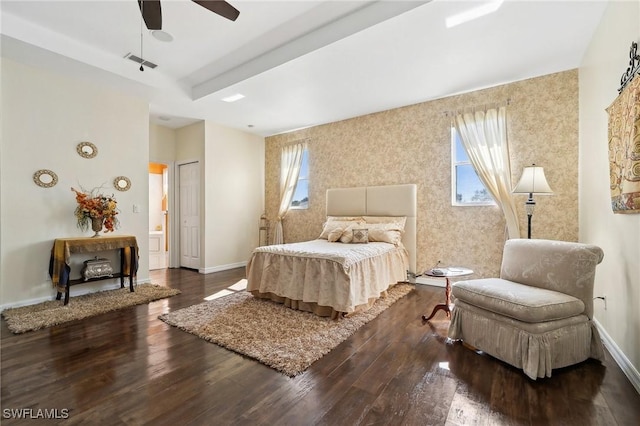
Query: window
{"points": [[300, 198], [466, 187]]}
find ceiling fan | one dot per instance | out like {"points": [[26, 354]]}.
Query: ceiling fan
{"points": [[152, 12]]}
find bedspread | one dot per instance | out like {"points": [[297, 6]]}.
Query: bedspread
{"points": [[336, 275]]}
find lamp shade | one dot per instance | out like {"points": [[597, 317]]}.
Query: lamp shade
{"points": [[533, 181]]}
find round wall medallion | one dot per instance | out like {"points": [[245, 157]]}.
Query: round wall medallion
{"points": [[87, 150], [45, 178], [122, 183]]}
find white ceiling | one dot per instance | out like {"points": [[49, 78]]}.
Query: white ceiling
{"points": [[298, 63]]}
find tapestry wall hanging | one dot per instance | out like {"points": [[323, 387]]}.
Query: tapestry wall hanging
{"points": [[624, 140]]}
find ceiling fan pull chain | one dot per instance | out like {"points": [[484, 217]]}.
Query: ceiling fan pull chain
{"points": [[141, 21]]}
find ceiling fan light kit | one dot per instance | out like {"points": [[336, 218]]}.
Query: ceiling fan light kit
{"points": [[162, 35]]}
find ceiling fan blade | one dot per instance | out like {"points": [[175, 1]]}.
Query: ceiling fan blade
{"points": [[220, 7], [151, 13]]}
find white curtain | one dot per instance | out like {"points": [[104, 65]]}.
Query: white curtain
{"points": [[290, 163], [484, 136]]}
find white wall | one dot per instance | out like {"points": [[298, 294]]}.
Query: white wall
{"points": [[618, 277], [234, 181], [162, 144], [44, 117], [190, 142], [232, 190]]}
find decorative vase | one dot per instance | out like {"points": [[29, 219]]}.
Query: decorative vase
{"points": [[96, 225]]}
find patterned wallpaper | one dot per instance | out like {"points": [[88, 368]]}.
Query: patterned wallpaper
{"points": [[412, 145]]}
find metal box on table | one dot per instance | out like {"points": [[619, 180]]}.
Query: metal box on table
{"points": [[96, 268]]}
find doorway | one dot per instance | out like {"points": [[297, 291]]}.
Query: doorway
{"points": [[159, 229]]}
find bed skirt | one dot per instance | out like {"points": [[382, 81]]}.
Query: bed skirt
{"points": [[323, 311]]}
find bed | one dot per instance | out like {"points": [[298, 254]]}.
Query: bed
{"points": [[333, 275]]}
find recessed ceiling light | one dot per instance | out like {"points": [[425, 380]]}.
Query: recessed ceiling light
{"points": [[162, 35], [233, 98], [474, 13]]}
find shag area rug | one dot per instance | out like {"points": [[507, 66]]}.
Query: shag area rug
{"points": [[54, 312], [282, 338]]}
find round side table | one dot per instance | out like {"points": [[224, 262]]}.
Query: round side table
{"points": [[445, 273]]}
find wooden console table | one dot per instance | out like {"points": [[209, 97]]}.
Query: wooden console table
{"points": [[63, 248]]}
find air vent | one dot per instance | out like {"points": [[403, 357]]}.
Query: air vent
{"points": [[139, 60]]}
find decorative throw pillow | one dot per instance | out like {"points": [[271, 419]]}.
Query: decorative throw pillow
{"points": [[335, 234], [347, 234], [330, 226], [360, 236]]}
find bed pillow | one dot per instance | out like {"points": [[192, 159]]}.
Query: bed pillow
{"points": [[385, 232], [400, 221], [345, 219], [333, 225]]}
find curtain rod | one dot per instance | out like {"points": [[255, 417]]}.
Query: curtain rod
{"points": [[506, 102], [297, 141]]}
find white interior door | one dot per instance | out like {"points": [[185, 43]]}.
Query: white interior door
{"points": [[190, 215]]}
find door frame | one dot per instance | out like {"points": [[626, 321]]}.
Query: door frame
{"points": [[171, 194], [174, 257]]}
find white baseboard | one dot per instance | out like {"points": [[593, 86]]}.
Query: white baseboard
{"points": [[75, 291], [222, 267], [26, 302], [619, 357]]}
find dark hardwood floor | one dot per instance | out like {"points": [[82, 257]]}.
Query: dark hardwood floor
{"points": [[128, 367]]}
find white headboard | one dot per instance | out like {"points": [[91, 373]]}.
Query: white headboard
{"points": [[389, 200]]}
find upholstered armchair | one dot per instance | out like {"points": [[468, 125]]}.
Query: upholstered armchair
{"points": [[538, 315]]}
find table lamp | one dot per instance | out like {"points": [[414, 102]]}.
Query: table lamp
{"points": [[532, 182]]}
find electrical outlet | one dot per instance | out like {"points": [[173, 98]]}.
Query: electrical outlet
{"points": [[136, 208]]}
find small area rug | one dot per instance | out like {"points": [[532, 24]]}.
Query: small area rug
{"points": [[54, 312], [282, 338]]}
